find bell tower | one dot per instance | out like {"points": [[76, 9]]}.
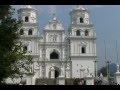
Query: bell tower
{"points": [[82, 42], [29, 33], [27, 13]]}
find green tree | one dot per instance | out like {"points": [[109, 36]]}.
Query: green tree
{"points": [[13, 61], [103, 70]]}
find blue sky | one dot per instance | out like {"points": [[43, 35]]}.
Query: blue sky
{"points": [[106, 20]]}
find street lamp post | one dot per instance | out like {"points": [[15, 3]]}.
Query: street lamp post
{"points": [[108, 72], [95, 68]]}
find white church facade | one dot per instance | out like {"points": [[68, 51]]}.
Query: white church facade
{"points": [[57, 53]]}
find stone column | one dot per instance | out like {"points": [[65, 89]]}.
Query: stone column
{"points": [[36, 75], [118, 68], [117, 76], [82, 72], [52, 72], [29, 80], [89, 80], [67, 72], [37, 71], [40, 70], [61, 80], [62, 74]]}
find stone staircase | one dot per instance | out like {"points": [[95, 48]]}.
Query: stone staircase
{"points": [[45, 81], [49, 81], [69, 81]]}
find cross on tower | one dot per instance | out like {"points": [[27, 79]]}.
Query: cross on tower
{"points": [[54, 17]]}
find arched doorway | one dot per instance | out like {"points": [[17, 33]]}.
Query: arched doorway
{"points": [[57, 72], [54, 55]]}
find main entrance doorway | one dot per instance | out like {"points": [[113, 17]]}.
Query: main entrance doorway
{"points": [[57, 72]]}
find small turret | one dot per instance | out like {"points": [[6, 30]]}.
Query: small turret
{"points": [[54, 17]]}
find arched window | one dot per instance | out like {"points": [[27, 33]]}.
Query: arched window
{"points": [[21, 31], [30, 32], [25, 48], [81, 20], [86, 33], [26, 19], [83, 50], [54, 55], [78, 33]]}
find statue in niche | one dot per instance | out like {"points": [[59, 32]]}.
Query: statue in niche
{"points": [[31, 69], [88, 70], [54, 39], [117, 68], [68, 65], [62, 70], [52, 65], [81, 67]]}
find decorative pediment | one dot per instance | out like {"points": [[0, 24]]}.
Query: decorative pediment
{"points": [[54, 25], [83, 43]]}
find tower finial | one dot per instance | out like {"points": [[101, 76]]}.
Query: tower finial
{"points": [[80, 7]]}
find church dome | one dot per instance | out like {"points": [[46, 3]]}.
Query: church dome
{"points": [[54, 24]]}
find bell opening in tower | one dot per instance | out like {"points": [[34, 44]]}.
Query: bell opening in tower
{"points": [[57, 72], [78, 33], [26, 19], [81, 20]]}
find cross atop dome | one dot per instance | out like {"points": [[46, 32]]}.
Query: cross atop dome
{"points": [[54, 24], [80, 7], [54, 17]]}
